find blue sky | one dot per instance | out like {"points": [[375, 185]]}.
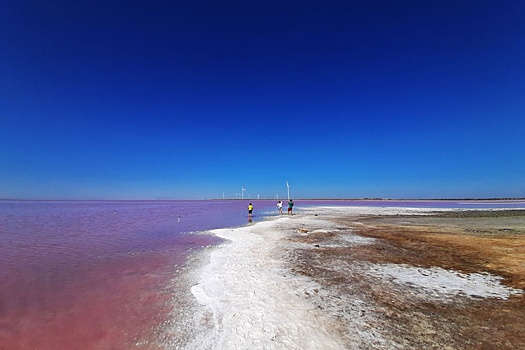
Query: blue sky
{"points": [[193, 99]]}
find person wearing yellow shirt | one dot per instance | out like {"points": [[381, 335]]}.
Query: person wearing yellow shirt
{"points": [[250, 209]]}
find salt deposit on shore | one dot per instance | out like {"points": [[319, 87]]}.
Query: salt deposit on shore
{"points": [[440, 283], [252, 300]]}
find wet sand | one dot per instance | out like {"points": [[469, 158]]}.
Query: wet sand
{"points": [[366, 278]]}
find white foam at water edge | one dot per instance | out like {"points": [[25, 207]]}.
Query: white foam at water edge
{"points": [[443, 283]]}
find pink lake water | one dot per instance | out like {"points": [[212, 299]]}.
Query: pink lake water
{"points": [[77, 275]]}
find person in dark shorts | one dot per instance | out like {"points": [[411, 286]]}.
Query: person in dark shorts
{"points": [[250, 209], [290, 206]]}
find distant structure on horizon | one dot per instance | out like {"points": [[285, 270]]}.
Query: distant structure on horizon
{"points": [[288, 187]]}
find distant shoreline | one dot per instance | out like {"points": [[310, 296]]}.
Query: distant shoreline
{"points": [[267, 199]]}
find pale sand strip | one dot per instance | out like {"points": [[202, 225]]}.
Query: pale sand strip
{"points": [[255, 303]]}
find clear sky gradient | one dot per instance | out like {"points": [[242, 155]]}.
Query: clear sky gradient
{"points": [[193, 99]]}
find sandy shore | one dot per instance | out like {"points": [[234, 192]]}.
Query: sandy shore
{"points": [[364, 278]]}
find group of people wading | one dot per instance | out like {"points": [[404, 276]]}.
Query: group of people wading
{"points": [[290, 207], [279, 207]]}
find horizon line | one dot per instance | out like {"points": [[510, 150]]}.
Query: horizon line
{"points": [[264, 199]]}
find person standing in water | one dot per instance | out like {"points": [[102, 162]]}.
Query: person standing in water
{"points": [[250, 210], [290, 206], [280, 207]]}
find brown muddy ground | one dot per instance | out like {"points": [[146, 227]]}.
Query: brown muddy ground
{"points": [[467, 241]]}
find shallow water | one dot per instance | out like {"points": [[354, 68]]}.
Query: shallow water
{"points": [[99, 274], [94, 274], [438, 204]]}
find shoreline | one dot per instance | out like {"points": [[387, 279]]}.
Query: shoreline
{"points": [[270, 286], [250, 299]]}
